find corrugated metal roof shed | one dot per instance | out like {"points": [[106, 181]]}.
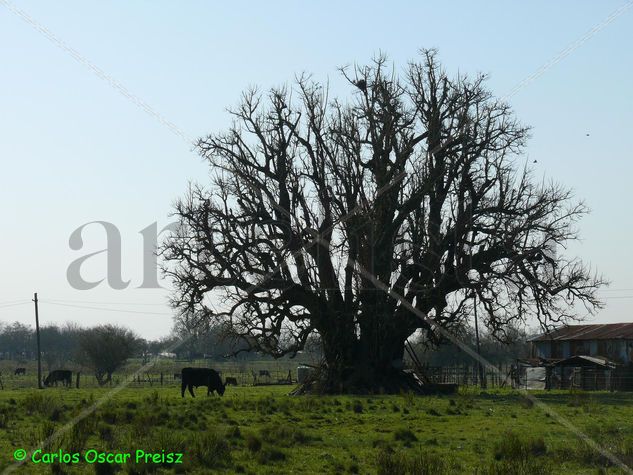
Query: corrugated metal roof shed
{"points": [[583, 360], [604, 331]]}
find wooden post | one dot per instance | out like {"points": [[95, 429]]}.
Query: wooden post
{"points": [[161, 378], [39, 351], [77, 382]]}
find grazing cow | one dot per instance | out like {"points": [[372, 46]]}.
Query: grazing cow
{"points": [[264, 372], [63, 375], [230, 381], [194, 377], [19, 371]]}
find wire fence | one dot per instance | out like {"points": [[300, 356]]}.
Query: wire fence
{"points": [[470, 375], [260, 373], [254, 373]]}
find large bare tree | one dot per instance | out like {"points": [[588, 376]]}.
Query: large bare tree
{"points": [[355, 218]]}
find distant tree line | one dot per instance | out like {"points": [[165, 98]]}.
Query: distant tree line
{"points": [[104, 349], [498, 349], [70, 343]]}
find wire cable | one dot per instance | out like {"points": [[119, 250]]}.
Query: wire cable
{"points": [[93, 302], [15, 304], [106, 309]]}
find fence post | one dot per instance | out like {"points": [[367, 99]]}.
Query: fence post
{"points": [[161, 379], [77, 381]]}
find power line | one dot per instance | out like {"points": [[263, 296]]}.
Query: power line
{"points": [[13, 301], [15, 304], [93, 302], [105, 309]]}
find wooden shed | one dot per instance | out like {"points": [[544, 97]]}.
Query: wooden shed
{"points": [[613, 341]]}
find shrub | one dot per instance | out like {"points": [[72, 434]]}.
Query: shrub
{"points": [[144, 422], [105, 468], [4, 417], [513, 467], [56, 414], [211, 450], [57, 469], [284, 435], [526, 402], [310, 403], [233, 432], [382, 444], [405, 435], [75, 439], [109, 415], [106, 434], [409, 398], [512, 447], [253, 443], [620, 446], [152, 399], [266, 405], [40, 403], [517, 455], [46, 431], [418, 463], [270, 454]]}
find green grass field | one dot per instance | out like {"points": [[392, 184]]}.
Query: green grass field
{"points": [[263, 430]]}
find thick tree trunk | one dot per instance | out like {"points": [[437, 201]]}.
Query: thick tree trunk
{"points": [[366, 364]]}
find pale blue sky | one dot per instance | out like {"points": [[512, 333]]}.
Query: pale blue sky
{"points": [[74, 150]]}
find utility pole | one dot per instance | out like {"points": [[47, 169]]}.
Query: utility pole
{"points": [[482, 376], [39, 352]]}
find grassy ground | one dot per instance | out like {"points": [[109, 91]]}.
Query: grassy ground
{"points": [[262, 430]]}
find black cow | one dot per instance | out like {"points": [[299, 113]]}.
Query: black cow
{"points": [[230, 381], [194, 377], [264, 372], [19, 371], [55, 376]]}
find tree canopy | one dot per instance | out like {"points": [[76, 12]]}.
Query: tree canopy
{"points": [[106, 348], [370, 218]]}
